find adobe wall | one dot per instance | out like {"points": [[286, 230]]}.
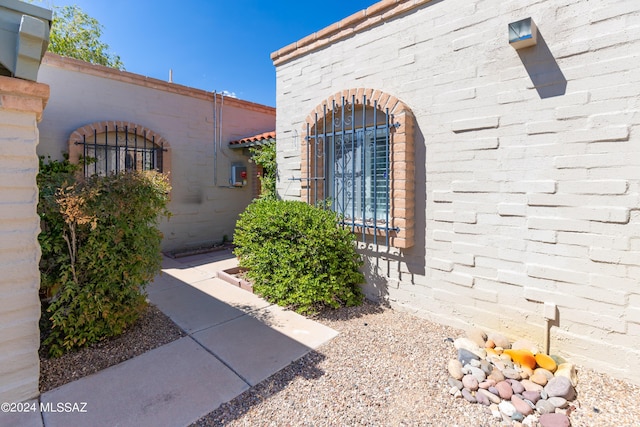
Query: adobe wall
{"points": [[21, 105], [527, 175], [204, 206]]}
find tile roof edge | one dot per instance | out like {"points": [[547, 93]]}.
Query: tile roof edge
{"points": [[259, 138]]}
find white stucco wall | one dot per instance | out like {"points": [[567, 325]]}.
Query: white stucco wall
{"points": [[527, 163], [204, 209]]}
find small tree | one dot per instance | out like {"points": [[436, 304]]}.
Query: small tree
{"points": [[77, 35]]}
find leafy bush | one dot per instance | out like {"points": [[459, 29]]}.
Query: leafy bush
{"points": [[110, 250], [53, 175], [298, 256], [265, 156]]}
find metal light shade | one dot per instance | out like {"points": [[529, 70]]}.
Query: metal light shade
{"points": [[523, 33]]}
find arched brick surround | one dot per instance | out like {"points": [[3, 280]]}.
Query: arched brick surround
{"points": [[75, 150], [402, 157]]}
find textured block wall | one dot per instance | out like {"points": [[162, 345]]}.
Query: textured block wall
{"points": [[21, 104], [204, 206], [527, 163]]}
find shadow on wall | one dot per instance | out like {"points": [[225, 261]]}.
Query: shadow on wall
{"points": [[376, 287], [384, 267], [543, 70]]}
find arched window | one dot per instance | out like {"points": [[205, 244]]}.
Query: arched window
{"points": [[356, 148], [111, 147]]}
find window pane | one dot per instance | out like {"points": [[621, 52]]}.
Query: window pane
{"points": [[358, 173], [109, 158], [377, 190]]}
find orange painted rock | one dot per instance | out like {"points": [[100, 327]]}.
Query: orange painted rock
{"points": [[522, 357], [546, 362]]}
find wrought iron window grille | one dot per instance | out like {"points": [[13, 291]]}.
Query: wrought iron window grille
{"points": [[348, 165], [122, 149]]}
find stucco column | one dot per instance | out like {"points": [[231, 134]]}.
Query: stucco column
{"points": [[21, 106]]}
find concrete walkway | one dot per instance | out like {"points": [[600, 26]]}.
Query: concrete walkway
{"points": [[235, 340]]}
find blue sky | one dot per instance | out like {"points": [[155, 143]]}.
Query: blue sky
{"points": [[221, 45]]}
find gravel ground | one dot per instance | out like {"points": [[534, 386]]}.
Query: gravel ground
{"points": [[152, 330], [388, 368]]}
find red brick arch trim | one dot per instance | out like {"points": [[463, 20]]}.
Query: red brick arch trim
{"points": [[402, 157], [75, 150]]}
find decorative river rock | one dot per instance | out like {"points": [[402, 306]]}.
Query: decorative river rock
{"points": [[513, 378]]}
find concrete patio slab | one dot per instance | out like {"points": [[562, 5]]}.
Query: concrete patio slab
{"points": [[173, 385], [30, 418], [162, 282], [305, 331], [187, 274], [236, 340], [170, 263], [192, 309], [223, 254], [210, 263], [252, 349], [195, 260], [212, 267], [232, 295]]}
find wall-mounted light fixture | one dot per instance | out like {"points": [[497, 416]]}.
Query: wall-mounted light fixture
{"points": [[523, 33]]}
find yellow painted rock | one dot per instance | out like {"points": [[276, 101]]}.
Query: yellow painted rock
{"points": [[546, 362], [522, 357]]}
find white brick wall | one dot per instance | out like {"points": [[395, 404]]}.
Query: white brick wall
{"points": [[526, 198]]}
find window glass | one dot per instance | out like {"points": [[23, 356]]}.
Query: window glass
{"points": [[108, 158], [115, 152], [358, 174]]}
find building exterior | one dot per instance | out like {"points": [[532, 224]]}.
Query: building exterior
{"points": [[124, 119], [493, 184], [21, 105], [24, 37]]}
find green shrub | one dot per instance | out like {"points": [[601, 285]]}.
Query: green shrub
{"points": [[298, 256], [265, 156], [52, 176], [110, 251]]}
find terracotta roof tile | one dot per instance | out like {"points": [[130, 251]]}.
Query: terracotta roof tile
{"points": [[254, 140]]}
